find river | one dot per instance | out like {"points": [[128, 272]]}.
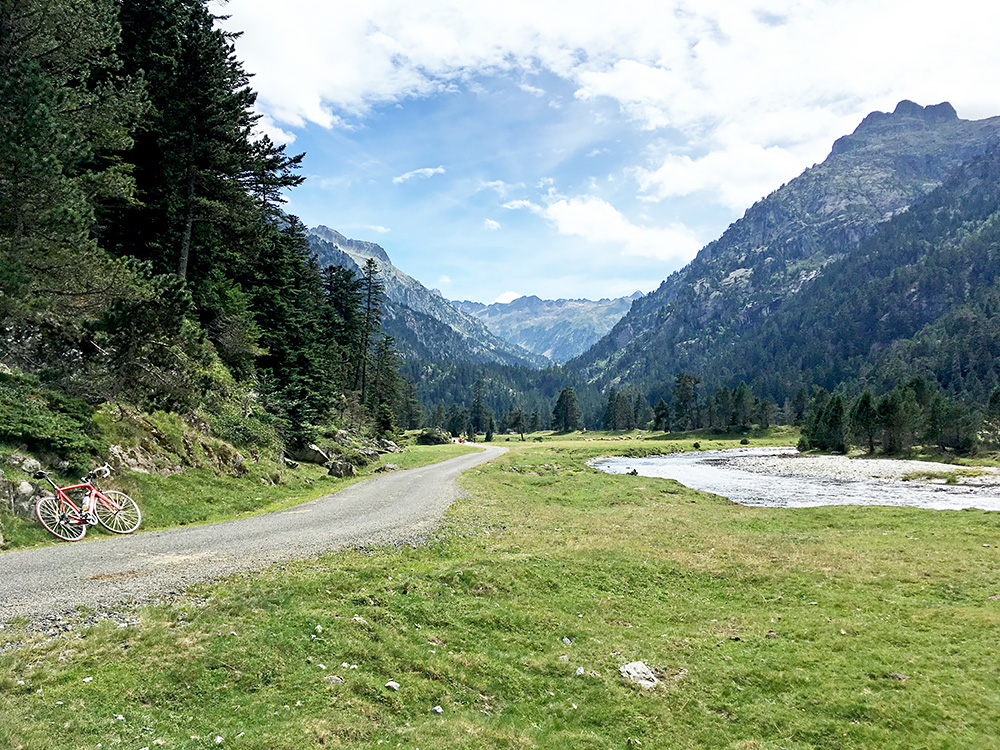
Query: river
{"points": [[781, 478]]}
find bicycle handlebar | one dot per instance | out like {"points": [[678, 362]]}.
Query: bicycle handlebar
{"points": [[101, 471]]}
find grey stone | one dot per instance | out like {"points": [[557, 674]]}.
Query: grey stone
{"points": [[341, 469], [640, 674], [25, 489], [311, 454], [31, 465], [387, 468], [392, 685]]}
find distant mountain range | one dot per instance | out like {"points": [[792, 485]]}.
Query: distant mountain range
{"points": [[424, 324], [820, 280], [556, 329], [878, 264]]}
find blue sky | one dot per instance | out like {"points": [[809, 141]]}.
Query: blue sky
{"points": [[583, 149]]}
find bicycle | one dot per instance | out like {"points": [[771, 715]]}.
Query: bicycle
{"points": [[64, 518]]}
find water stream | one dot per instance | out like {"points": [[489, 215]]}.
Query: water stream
{"points": [[724, 472]]}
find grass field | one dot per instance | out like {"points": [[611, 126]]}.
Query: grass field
{"points": [[827, 627]]}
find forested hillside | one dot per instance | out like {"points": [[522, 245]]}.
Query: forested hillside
{"points": [[145, 259], [423, 323], [818, 281]]}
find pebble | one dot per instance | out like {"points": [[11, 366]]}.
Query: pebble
{"points": [[392, 685], [438, 710]]}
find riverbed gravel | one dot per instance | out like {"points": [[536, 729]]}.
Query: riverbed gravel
{"points": [[790, 463]]}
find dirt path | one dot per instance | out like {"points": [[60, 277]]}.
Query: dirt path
{"points": [[397, 508]]}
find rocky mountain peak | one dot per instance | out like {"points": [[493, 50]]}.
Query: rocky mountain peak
{"points": [[356, 247], [907, 117]]}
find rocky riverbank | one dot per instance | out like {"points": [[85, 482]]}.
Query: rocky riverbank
{"points": [[788, 462]]}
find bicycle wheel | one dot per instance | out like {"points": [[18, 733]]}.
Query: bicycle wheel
{"points": [[59, 518], [117, 512]]}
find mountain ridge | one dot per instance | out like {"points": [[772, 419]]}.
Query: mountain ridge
{"points": [[784, 241], [445, 331], [556, 329]]}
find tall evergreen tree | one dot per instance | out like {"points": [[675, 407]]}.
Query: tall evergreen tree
{"points": [[864, 421], [566, 415]]}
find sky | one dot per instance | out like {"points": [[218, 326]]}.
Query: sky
{"points": [[582, 149]]}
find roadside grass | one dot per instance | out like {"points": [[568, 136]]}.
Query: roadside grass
{"points": [[833, 627], [199, 496]]}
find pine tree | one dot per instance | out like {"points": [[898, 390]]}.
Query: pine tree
{"points": [[661, 416], [566, 415], [864, 421], [685, 400]]}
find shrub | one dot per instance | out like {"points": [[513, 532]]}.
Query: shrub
{"points": [[46, 421], [433, 436]]}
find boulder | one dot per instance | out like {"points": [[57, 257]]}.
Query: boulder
{"points": [[341, 469], [640, 674], [387, 468], [30, 466], [310, 454], [387, 446]]}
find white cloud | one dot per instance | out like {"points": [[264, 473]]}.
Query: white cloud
{"points": [[521, 203], [750, 68], [377, 228], [444, 281], [735, 176], [491, 225], [599, 222], [506, 297], [424, 173]]}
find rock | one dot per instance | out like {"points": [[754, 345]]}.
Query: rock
{"points": [[334, 680], [341, 469], [289, 463], [387, 468], [25, 489], [566, 640], [392, 685], [30, 466], [16, 459], [387, 446], [640, 674], [438, 710], [770, 634], [311, 454], [579, 671]]}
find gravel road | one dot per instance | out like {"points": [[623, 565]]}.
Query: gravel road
{"points": [[397, 508]]}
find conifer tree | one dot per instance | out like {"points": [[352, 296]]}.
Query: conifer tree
{"points": [[566, 415], [864, 421]]}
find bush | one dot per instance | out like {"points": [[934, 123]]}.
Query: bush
{"points": [[45, 421], [433, 436]]}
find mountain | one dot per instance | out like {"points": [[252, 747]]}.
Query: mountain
{"points": [[556, 329], [787, 246], [424, 324]]}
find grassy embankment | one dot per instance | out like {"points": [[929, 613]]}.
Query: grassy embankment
{"points": [[810, 628]]}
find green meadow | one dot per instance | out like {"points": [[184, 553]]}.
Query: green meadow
{"points": [[832, 627]]}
